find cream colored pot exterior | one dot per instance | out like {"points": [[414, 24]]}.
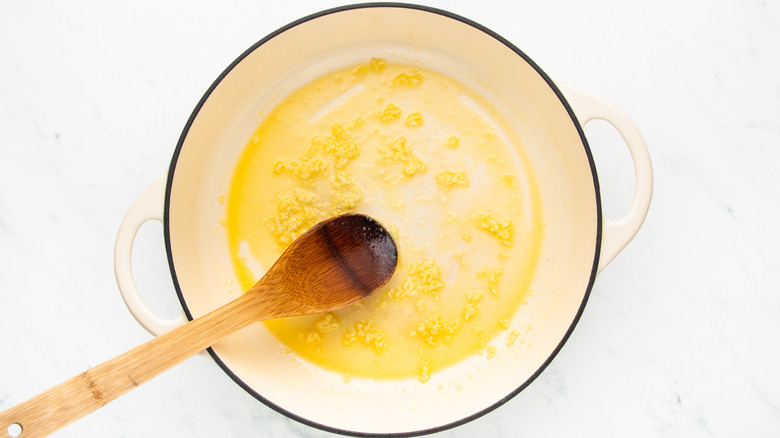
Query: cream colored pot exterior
{"points": [[577, 244]]}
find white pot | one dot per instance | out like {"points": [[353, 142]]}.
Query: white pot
{"points": [[577, 245]]}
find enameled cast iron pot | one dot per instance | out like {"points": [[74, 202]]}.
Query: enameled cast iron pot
{"points": [[578, 242]]}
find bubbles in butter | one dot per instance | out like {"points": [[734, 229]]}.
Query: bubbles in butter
{"points": [[434, 163]]}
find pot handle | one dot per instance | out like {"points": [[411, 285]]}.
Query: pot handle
{"points": [[617, 233], [148, 206]]}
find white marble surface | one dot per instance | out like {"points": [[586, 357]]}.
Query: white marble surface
{"points": [[680, 337]]}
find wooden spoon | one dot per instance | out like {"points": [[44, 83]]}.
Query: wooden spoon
{"points": [[336, 263]]}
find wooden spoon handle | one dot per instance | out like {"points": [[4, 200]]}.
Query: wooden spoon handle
{"points": [[92, 389]]}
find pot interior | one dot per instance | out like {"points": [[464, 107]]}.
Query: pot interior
{"points": [[552, 142]]}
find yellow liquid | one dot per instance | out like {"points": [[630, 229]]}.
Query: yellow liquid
{"points": [[430, 160]]}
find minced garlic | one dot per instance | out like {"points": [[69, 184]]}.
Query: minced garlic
{"points": [[314, 343], [469, 312], [424, 279], [345, 201], [328, 323], [425, 372], [308, 170], [414, 120], [295, 214], [390, 114], [400, 151], [408, 80], [512, 338], [339, 134], [509, 179], [344, 152], [501, 229], [364, 332], [378, 64], [449, 179], [434, 330]]}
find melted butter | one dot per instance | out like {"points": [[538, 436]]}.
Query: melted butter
{"points": [[431, 161]]}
